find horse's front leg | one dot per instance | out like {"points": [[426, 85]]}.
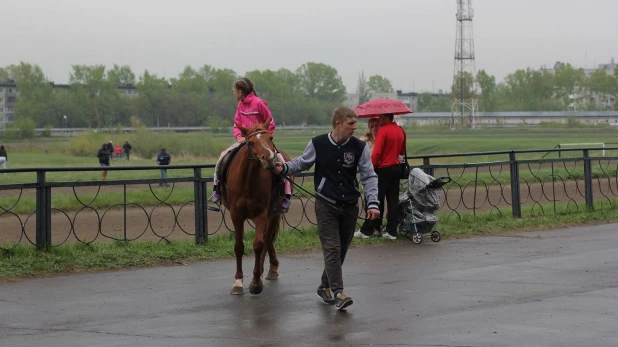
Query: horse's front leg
{"points": [[273, 271], [239, 249], [256, 285]]}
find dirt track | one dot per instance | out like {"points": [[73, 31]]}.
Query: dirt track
{"points": [[163, 224]]}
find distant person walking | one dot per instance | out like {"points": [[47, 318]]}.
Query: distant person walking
{"points": [[110, 149], [127, 149], [3, 157], [104, 156], [118, 152], [164, 158]]}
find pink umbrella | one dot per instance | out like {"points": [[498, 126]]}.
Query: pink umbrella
{"points": [[377, 107]]}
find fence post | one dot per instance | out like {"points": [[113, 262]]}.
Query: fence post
{"points": [[43, 213], [201, 217], [515, 191], [427, 166], [588, 179]]}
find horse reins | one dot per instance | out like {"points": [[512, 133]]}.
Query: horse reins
{"points": [[292, 182], [319, 197], [296, 185]]}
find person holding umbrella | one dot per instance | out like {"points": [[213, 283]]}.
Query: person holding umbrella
{"points": [[389, 147]]}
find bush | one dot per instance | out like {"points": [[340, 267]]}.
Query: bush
{"points": [[146, 144], [10, 132], [217, 124], [47, 131], [26, 128], [86, 145], [572, 122]]}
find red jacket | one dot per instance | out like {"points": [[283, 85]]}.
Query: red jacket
{"points": [[390, 143], [118, 149]]}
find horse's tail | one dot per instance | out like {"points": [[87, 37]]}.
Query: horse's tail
{"points": [[277, 228]]}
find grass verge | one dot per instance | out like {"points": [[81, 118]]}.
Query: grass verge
{"points": [[24, 262]]}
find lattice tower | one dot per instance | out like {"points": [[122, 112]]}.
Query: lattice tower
{"points": [[463, 92]]}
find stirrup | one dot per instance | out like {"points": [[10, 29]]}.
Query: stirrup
{"points": [[215, 197]]}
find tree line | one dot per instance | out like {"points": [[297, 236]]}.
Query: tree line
{"points": [[563, 89], [203, 96]]}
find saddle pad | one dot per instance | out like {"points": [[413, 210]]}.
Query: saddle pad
{"points": [[225, 162]]}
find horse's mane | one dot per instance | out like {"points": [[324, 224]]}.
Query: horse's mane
{"points": [[257, 127]]}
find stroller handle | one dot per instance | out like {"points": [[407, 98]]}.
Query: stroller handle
{"points": [[439, 182]]}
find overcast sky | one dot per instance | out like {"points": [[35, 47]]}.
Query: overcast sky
{"points": [[411, 42]]}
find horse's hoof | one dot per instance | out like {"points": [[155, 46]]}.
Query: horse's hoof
{"points": [[237, 291], [255, 289], [272, 275]]}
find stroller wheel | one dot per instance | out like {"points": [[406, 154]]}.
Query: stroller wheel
{"points": [[417, 238], [435, 236]]}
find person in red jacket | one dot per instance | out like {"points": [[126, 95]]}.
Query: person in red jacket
{"points": [[118, 151], [386, 156]]}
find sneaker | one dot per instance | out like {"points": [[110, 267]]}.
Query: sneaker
{"points": [[285, 204], [324, 294], [359, 234], [342, 301], [388, 236], [214, 197]]}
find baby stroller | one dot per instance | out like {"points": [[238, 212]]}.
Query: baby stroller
{"points": [[418, 205]]}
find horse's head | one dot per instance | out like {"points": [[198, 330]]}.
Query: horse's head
{"points": [[260, 144]]}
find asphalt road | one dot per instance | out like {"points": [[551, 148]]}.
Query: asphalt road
{"points": [[546, 288]]}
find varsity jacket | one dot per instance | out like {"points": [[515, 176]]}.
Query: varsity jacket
{"points": [[336, 166]]}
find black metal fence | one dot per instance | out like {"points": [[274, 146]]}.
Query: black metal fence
{"points": [[50, 212]]}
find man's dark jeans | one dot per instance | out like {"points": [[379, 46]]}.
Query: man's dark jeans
{"points": [[336, 226]]}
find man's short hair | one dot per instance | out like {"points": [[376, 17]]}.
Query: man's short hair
{"points": [[341, 113]]}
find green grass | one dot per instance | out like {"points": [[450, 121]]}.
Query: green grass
{"points": [[23, 262]]}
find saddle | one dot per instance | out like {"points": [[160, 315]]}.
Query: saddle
{"points": [[225, 163], [224, 166]]}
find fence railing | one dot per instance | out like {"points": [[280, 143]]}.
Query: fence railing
{"points": [[47, 211]]}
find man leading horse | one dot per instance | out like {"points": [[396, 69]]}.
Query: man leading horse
{"points": [[336, 156]]}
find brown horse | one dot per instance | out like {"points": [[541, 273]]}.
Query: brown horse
{"points": [[251, 192]]}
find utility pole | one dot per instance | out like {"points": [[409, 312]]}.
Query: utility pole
{"points": [[463, 92]]}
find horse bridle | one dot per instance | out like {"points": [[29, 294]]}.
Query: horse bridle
{"points": [[253, 156]]}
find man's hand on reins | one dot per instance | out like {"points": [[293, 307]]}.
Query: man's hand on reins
{"points": [[373, 213], [278, 167]]}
